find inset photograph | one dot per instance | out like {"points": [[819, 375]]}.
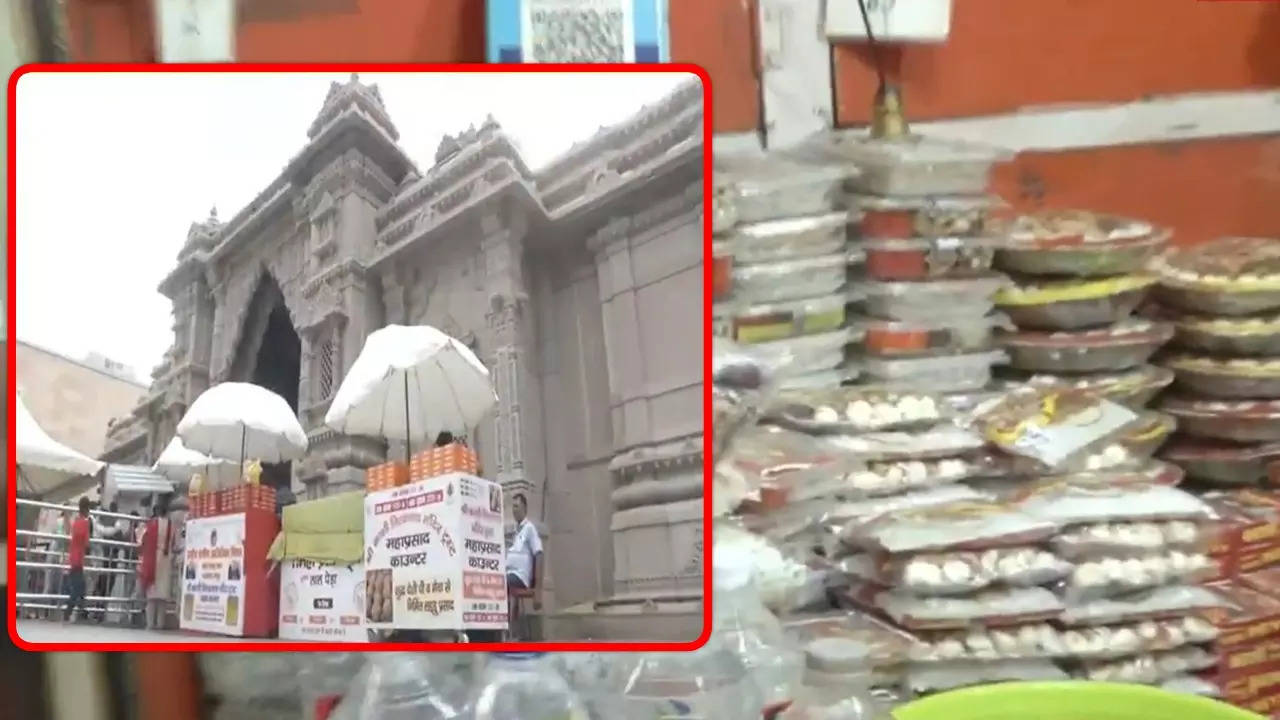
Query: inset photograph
{"points": [[363, 357]]}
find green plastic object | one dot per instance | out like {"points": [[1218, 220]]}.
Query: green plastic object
{"points": [[1068, 701]]}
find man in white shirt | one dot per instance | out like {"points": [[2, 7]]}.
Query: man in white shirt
{"points": [[524, 556]]}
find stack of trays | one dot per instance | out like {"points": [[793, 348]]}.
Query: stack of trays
{"points": [[1077, 278], [1223, 299], [781, 259], [927, 236]]}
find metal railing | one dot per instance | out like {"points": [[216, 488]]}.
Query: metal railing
{"points": [[42, 568]]}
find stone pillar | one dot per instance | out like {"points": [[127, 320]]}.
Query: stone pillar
{"points": [[649, 268], [520, 455]]}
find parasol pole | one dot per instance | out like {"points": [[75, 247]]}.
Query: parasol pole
{"points": [[243, 430], [406, 419]]}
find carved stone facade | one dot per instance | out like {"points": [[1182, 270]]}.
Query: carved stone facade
{"points": [[579, 286]]}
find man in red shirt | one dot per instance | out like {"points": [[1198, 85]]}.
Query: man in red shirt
{"points": [[81, 529]]}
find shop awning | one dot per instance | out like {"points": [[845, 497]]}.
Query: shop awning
{"points": [[326, 530], [133, 480]]}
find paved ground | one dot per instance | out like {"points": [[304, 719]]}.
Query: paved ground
{"points": [[43, 631]]}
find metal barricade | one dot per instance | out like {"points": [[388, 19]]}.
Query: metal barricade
{"points": [[110, 568]]}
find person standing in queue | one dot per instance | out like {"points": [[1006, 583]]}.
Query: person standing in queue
{"points": [[156, 566], [81, 529]]}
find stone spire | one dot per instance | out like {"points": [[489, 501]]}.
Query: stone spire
{"points": [[353, 94], [202, 235]]}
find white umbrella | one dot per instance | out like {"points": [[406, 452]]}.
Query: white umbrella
{"points": [[411, 383], [45, 463], [239, 420], [178, 462]]}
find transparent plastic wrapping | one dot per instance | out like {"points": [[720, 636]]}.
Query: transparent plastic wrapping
{"points": [[1132, 388], [766, 322], [769, 186], [1237, 421], [812, 353], [1079, 243], [840, 375], [1152, 668], [942, 676], [1169, 601], [890, 338], [914, 165], [1125, 345], [1257, 378], [721, 270], [943, 373], [1257, 336], [959, 572], [928, 216], [792, 237], [724, 214], [1148, 474], [867, 642], [1220, 463], [1052, 426], [1230, 276], [992, 608], [1133, 539], [928, 258], [1074, 304], [769, 467], [786, 580], [790, 279], [959, 526], [937, 300], [855, 410], [1192, 685], [1114, 576], [742, 378], [1043, 640], [1058, 503], [939, 442], [881, 478], [1129, 452]]}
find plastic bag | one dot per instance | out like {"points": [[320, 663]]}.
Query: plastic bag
{"points": [[1133, 539], [742, 379], [942, 441], [1043, 640], [936, 677], [1110, 577], [784, 580], [1162, 602], [959, 573], [1062, 504], [992, 608], [1052, 426], [768, 467], [956, 526], [1151, 668], [854, 410]]}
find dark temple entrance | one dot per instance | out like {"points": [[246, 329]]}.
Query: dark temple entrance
{"points": [[270, 355], [277, 369]]}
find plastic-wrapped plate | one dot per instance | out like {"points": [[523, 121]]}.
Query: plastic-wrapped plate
{"points": [[1227, 378], [1124, 345]]}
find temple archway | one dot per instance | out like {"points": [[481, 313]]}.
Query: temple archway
{"points": [[270, 355]]}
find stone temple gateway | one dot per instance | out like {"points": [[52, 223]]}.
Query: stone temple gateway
{"points": [[579, 286]]}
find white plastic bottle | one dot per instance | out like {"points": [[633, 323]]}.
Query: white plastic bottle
{"points": [[744, 668], [323, 679], [751, 631], [524, 686], [403, 686]]}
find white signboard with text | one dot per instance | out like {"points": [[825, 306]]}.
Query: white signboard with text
{"points": [[434, 555], [321, 601], [213, 576]]}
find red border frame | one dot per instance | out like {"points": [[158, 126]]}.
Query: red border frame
{"points": [[281, 646]]}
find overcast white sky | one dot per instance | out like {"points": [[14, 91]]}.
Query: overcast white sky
{"points": [[113, 168]]}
